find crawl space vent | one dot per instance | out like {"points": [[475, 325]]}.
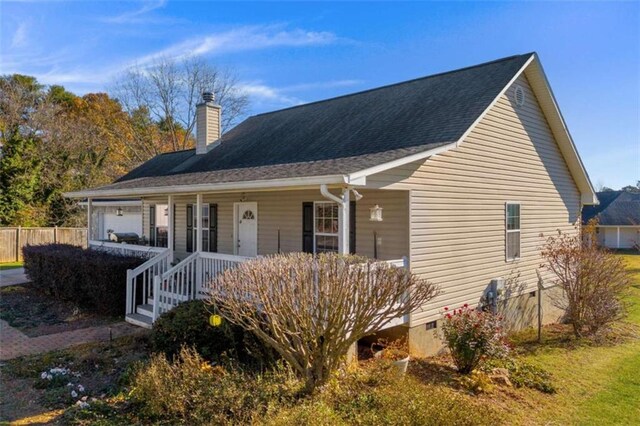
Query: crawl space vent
{"points": [[519, 96]]}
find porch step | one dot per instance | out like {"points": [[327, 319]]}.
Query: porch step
{"points": [[139, 320], [146, 310]]}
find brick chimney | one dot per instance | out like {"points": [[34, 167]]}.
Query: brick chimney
{"points": [[207, 122]]}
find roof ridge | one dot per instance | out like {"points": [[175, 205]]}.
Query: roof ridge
{"points": [[373, 89], [175, 152]]}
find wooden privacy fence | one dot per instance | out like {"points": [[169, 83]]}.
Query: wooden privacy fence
{"points": [[12, 240]]}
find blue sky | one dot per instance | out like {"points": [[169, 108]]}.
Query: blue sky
{"points": [[289, 53]]}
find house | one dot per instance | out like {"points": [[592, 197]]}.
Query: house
{"points": [[454, 175], [618, 217], [115, 215]]}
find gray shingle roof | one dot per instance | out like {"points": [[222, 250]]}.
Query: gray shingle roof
{"points": [[339, 135], [616, 208]]}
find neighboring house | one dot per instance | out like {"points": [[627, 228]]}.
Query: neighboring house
{"points": [[618, 216], [116, 215], [457, 173]]}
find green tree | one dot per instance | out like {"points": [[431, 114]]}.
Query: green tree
{"points": [[19, 179]]}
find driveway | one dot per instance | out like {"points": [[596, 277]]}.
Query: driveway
{"points": [[12, 277]]}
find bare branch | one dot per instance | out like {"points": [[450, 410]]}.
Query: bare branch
{"points": [[312, 309]]}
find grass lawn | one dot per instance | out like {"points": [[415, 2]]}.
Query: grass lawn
{"points": [[10, 265], [597, 385]]}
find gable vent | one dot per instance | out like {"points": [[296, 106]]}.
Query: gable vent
{"points": [[518, 94]]}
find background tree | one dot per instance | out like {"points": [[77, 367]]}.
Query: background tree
{"points": [[169, 90], [311, 309], [594, 281]]}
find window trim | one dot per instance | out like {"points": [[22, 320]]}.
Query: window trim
{"points": [[194, 228], [157, 207], [507, 231], [323, 234]]}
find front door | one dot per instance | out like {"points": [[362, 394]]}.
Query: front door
{"points": [[246, 229]]}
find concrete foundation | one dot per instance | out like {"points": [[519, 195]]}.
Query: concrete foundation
{"points": [[519, 312]]}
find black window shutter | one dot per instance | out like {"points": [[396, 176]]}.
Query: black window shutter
{"points": [[352, 227], [174, 226], [189, 228], [307, 227], [152, 226], [213, 228]]}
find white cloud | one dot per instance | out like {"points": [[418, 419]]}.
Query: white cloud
{"points": [[280, 96], [66, 66], [19, 38], [135, 16], [241, 39], [266, 94]]}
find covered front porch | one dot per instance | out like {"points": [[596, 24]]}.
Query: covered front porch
{"points": [[193, 237]]}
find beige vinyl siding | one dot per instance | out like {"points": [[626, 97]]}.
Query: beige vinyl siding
{"points": [[282, 210], [458, 203]]}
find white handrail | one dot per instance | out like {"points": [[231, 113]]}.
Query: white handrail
{"points": [[190, 279], [145, 273], [174, 286]]}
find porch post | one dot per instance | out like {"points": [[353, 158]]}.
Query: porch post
{"points": [[618, 237], [343, 223], [89, 213], [199, 222], [172, 231]]}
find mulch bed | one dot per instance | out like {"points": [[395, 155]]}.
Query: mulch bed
{"points": [[36, 314], [98, 367]]}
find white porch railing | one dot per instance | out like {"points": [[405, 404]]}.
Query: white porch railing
{"points": [[126, 249], [399, 263], [145, 274], [189, 279]]}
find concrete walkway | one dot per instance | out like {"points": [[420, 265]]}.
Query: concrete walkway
{"points": [[13, 276], [13, 343]]}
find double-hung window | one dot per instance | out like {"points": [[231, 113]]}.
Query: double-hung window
{"points": [[209, 233], [512, 221], [325, 226]]}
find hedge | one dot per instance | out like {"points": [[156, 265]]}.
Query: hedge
{"points": [[94, 280]]}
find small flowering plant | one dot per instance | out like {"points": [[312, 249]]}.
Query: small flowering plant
{"points": [[472, 335]]}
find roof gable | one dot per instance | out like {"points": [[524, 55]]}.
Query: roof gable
{"points": [[344, 139], [616, 208]]}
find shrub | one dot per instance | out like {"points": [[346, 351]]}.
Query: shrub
{"points": [[311, 309], [523, 374], [188, 325], [192, 391], [93, 280], [594, 281], [472, 335]]}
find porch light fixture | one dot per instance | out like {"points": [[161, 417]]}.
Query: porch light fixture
{"points": [[119, 211], [375, 213]]}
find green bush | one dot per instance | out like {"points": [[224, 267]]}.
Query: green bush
{"points": [[472, 336], [524, 374], [93, 280], [188, 325]]}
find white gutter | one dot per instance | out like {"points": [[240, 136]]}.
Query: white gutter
{"points": [[308, 181], [326, 194]]}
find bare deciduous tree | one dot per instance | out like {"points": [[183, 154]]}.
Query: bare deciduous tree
{"points": [[170, 89], [592, 278], [312, 309]]}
